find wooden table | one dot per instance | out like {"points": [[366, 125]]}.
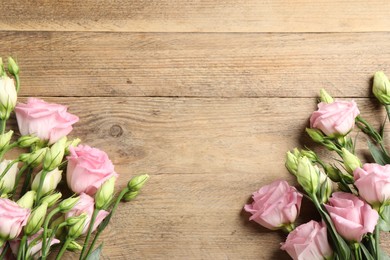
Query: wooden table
{"points": [[206, 96]]}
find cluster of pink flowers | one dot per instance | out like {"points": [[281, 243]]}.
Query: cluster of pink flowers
{"points": [[350, 197], [33, 214]]}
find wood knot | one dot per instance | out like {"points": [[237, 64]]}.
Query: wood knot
{"points": [[116, 131]]}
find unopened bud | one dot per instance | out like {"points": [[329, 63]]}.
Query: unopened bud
{"points": [[7, 183], [315, 134], [74, 246], [8, 97], [381, 88], [136, 183], [291, 163], [13, 67], [105, 193], [68, 204], [27, 140], [130, 195], [351, 162], [325, 97], [36, 219], [325, 187], [312, 156], [332, 172], [50, 182], [27, 201], [73, 143], [35, 158], [307, 175], [50, 200], [55, 154], [77, 227], [5, 139]]}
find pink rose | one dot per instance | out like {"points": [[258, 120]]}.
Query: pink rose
{"points": [[308, 241], [12, 218], [86, 205], [14, 244], [275, 205], [88, 168], [47, 121], [373, 183], [351, 216], [337, 118]]}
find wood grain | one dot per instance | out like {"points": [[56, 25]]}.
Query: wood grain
{"points": [[205, 157], [196, 16], [196, 65]]}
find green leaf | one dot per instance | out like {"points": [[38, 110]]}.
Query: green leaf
{"points": [[379, 156], [366, 253], [95, 255], [384, 221]]}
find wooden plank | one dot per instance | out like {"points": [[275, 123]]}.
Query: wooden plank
{"points": [[196, 16], [197, 65], [205, 157]]}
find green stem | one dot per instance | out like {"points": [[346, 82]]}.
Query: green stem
{"points": [[377, 242], [90, 228], [100, 230], [17, 79], [356, 250], [5, 249], [3, 124], [39, 190], [45, 227], [63, 248], [22, 248]]}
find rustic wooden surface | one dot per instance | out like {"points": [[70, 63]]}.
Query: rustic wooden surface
{"points": [[206, 96]]}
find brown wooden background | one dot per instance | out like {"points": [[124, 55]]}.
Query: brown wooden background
{"points": [[206, 96]]}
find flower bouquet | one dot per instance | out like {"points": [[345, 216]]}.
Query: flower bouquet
{"points": [[34, 214], [352, 199]]}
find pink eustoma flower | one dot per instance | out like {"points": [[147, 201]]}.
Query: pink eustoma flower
{"points": [[352, 217], [275, 205], [335, 119]]}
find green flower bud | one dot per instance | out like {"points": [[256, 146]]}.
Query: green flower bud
{"points": [[5, 139], [68, 204], [325, 187], [27, 140], [381, 88], [105, 193], [77, 228], [315, 134], [351, 161], [333, 173], [312, 156], [13, 68], [50, 200], [7, 182], [27, 201], [8, 97], [50, 183], [54, 155], [325, 97], [35, 158], [291, 163], [36, 219], [74, 246], [136, 183], [73, 143], [307, 175], [130, 195]]}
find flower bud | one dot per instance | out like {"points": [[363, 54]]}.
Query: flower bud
{"points": [[50, 183], [36, 219], [332, 172], [13, 68], [105, 193], [325, 187], [312, 156], [5, 139], [73, 143], [381, 88], [7, 183], [27, 140], [136, 183], [27, 201], [68, 204], [307, 175], [50, 200], [74, 246], [325, 97], [55, 154], [77, 227], [130, 195], [291, 163], [315, 134], [8, 97], [35, 158], [351, 162]]}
